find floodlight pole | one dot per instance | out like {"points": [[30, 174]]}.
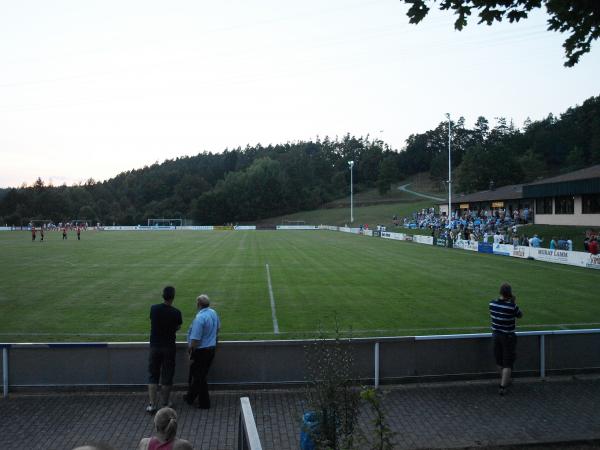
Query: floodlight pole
{"points": [[449, 170], [351, 164]]}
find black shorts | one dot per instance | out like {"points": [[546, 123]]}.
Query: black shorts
{"points": [[161, 365], [505, 349]]}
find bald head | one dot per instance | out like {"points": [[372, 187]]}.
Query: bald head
{"points": [[203, 301]]}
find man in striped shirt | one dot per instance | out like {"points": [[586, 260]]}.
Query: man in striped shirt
{"points": [[503, 312]]}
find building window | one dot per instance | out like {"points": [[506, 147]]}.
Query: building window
{"points": [[543, 205], [590, 204], [565, 205]]}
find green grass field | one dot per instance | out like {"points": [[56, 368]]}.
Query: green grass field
{"points": [[101, 288]]}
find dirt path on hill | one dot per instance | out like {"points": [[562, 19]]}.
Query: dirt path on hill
{"points": [[418, 194]]}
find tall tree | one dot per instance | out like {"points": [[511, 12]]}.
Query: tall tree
{"points": [[579, 18]]}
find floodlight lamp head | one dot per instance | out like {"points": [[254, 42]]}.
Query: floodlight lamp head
{"points": [[351, 163]]}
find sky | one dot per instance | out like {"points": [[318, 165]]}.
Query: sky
{"points": [[89, 89]]}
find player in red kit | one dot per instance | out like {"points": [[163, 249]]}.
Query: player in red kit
{"points": [[32, 233]]}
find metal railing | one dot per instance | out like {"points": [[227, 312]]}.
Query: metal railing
{"points": [[4, 372], [378, 360], [248, 438]]}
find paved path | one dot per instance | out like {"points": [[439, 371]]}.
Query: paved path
{"points": [[418, 194], [442, 415]]}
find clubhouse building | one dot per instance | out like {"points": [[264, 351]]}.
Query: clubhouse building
{"points": [[569, 199]]}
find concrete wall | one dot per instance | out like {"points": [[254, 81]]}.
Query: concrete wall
{"points": [[283, 362]]}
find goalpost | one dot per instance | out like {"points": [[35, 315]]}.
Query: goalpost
{"points": [[158, 223]]}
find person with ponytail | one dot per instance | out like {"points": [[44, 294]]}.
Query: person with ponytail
{"points": [[165, 424]]}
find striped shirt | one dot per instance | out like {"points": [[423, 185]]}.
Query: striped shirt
{"points": [[503, 314]]}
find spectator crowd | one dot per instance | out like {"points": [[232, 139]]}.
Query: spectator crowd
{"points": [[497, 226]]}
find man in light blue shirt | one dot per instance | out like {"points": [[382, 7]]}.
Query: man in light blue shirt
{"points": [[535, 241], [202, 338]]}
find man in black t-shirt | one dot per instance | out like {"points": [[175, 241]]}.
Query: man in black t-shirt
{"points": [[165, 320]]}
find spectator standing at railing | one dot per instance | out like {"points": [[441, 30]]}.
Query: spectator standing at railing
{"points": [[593, 246], [562, 244], [165, 320], [203, 336], [535, 241], [503, 312]]}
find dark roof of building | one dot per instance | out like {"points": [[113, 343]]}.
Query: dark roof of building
{"points": [[509, 192], [578, 182], [583, 174]]}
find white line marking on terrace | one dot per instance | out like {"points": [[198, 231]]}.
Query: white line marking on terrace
{"points": [[273, 313]]}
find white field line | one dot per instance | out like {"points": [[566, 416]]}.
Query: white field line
{"points": [[273, 313], [266, 333]]}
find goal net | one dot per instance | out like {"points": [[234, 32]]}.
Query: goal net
{"points": [[157, 223]]}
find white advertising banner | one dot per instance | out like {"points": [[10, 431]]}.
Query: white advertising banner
{"points": [[121, 228], [350, 230], [555, 256], [395, 236], [367, 232], [520, 252], [244, 227], [5, 228], [329, 227], [197, 228], [593, 261], [297, 227], [466, 245], [503, 249], [580, 259], [423, 239]]}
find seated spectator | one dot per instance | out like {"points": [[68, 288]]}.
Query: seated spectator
{"points": [[165, 423]]}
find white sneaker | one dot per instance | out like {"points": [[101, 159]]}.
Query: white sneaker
{"points": [[150, 409]]}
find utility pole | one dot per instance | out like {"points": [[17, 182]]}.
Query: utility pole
{"points": [[351, 164], [449, 169]]}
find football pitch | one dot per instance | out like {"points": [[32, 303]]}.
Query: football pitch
{"points": [[273, 285]]}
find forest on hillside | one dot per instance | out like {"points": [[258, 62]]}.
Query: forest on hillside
{"points": [[258, 182]]}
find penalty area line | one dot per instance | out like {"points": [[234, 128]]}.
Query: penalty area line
{"points": [[272, 298]]}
